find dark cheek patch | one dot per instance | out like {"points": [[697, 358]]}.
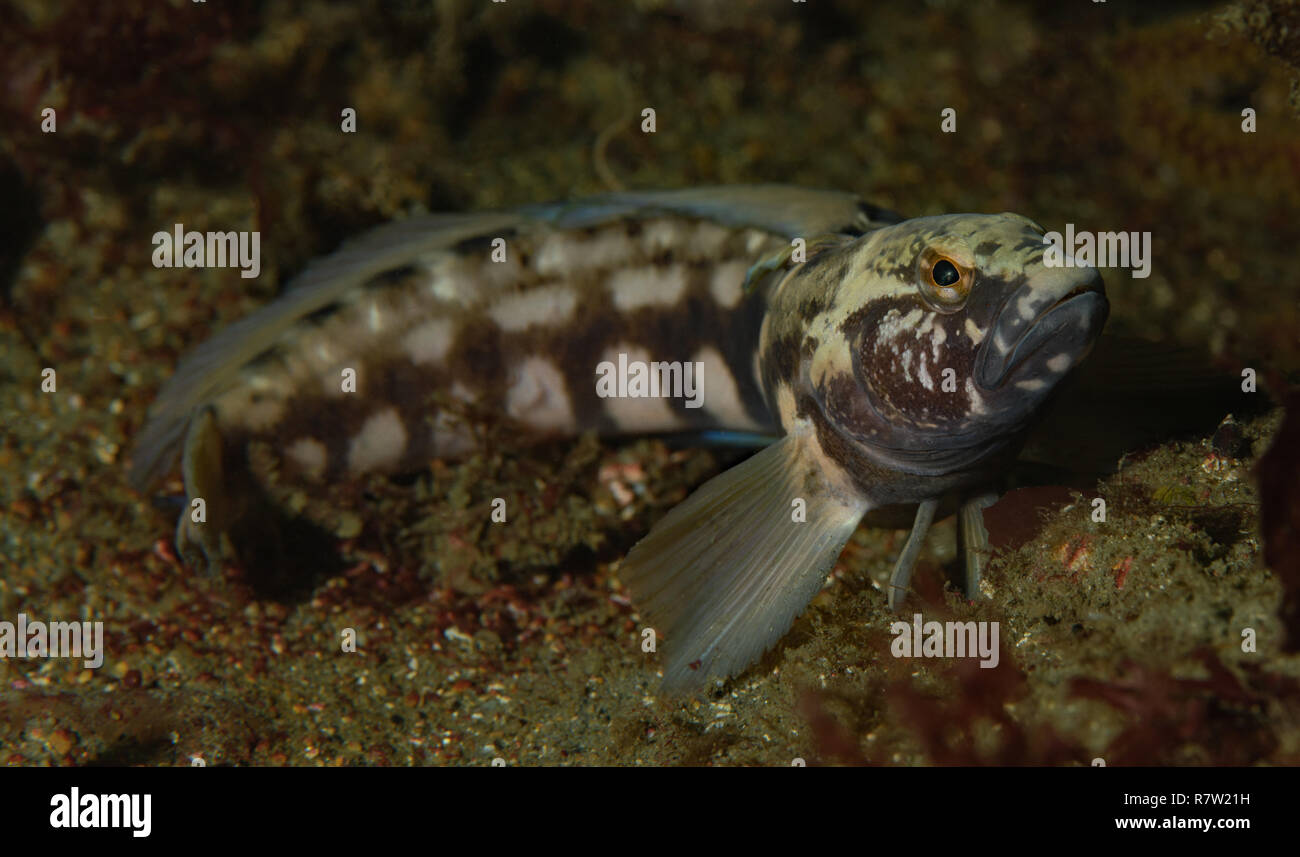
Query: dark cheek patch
{"points": [[927, 389], [913, 379]]}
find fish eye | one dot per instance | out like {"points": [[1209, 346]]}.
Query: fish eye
{"points": [[944, 281], [944, 273]]}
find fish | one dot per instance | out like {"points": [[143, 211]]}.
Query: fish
{"points": [[874, 361]]}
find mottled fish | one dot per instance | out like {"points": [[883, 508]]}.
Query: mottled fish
{"points": [[898, 361]]}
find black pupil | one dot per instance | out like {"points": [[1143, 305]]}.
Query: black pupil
{"points": [[945, 273]]}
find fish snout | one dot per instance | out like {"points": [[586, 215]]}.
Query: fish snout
{"points": [[1044, 329]]}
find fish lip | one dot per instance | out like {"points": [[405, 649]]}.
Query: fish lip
{"points": [[1086, 300]]}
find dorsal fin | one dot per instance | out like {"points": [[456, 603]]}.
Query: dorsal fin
{"points": [[783, 209]]}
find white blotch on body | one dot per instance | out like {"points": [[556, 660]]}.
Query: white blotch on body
{"points": [[1059, 363], [561, 253], [379, 444], [755, 240], [638, 413], [887, 327], [551, 306], [633, 288], [263, 415], [893, 326], [1026, 306], [430, 342], [937, 339], [454, 280], [923, 374], [975, 401], [721, 395], [726, 283], [539, 397], [707, 240], [309, 455]]}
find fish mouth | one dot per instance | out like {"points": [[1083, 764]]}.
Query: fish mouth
{"points": [[1068, 325]]}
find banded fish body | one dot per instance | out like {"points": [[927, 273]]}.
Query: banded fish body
{"points": [[437, 333], [900, 361]]}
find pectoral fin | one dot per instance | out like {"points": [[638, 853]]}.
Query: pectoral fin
{"points": [[722, 577]]}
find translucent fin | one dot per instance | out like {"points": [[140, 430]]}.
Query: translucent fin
{"points": [[901, 577], [784, 209], [973, 541], [722, 577]]}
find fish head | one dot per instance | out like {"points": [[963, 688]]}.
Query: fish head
{"points": [[944, 335]]}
